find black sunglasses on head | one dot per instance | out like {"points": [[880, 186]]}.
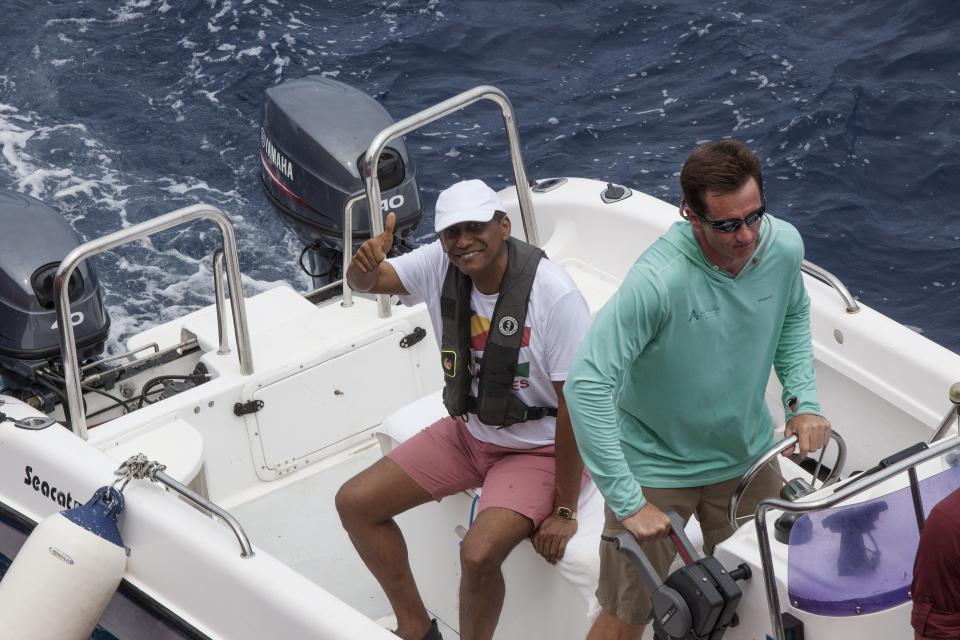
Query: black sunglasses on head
{"points": [[733, 224]]}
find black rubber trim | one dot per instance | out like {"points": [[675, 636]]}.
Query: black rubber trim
{"points": [[16, 520]]}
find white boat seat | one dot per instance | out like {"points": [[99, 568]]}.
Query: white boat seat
{"points": [[581, 563], [596, 286]]}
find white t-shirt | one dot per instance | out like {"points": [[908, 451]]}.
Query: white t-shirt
{"points": [[557, 319]]}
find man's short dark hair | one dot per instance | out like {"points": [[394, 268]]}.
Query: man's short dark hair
{"points": [[722, 166]]}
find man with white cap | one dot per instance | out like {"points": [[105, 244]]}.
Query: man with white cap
{"points": [[509, 322]]}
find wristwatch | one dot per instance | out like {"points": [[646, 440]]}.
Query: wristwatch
{"points": [[566, 513]]}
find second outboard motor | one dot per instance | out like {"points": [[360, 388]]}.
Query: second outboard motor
{"points": [[314, 135], [35, 240]]}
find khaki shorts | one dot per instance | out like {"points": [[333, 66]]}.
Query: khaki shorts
{"points": [[621, 590]]}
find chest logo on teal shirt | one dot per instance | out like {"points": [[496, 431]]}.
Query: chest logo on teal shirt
{"points": [[703, 314]]}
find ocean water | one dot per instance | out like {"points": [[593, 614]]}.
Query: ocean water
{"points": [[115, 112]]}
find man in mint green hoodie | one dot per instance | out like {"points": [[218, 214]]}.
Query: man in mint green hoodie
{"points": [[667, 390]]}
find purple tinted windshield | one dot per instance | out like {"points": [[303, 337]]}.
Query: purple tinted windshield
{"points": [[860, 556]]}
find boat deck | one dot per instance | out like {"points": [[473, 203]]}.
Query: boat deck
{"points": [[299, 526]]}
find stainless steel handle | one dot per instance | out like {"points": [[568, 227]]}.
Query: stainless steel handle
{"points": [[246, 550], [71, 371], [218, 294], [347, 300], [953, 415], [825, 276]]}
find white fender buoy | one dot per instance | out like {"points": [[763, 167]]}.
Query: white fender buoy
{"points": [[75, 559]]}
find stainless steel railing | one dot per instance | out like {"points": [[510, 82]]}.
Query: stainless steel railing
{"points": [[140, 363], [71, 370], [121, 356], [246, 549], [855, 487], [139, 467], [953, 415], [417, 120], [317, 294], [823, 275], [347, 300], [218, 294]]}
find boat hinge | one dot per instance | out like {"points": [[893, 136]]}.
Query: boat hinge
{"points": [[243, 408]]}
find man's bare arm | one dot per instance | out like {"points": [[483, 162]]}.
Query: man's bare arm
{"points": [[551, 537]]}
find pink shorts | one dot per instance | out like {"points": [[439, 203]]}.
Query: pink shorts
{"points": [[445, 459]]}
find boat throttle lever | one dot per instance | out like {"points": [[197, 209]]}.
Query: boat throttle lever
{"points": [[697, 601]]}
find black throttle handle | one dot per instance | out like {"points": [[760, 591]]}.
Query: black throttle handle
{"points": [[669, 608]]}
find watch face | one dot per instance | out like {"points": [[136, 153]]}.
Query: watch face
{"points": [[564, 512]]}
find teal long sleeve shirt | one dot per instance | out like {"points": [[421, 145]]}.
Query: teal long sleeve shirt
{"points": [[667, 389]]}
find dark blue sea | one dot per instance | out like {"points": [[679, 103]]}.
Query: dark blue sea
{"points": [[114, 112]]}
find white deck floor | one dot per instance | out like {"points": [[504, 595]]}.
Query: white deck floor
{"points": [[299, 525]]}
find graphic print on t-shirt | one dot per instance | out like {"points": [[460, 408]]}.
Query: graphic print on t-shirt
{"points": [[479, 329]]}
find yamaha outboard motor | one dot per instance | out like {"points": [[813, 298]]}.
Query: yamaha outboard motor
{"points": [[313, 138], [34, 241]]}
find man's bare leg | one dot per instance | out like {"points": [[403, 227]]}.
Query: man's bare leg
{"points": [[367, 504], [494, 534], [609, 627]]}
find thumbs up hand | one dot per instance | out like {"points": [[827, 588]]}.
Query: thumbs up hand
{"points": [[374, 251]]}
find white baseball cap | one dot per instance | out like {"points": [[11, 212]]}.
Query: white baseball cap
{"points": [[466, 201]]}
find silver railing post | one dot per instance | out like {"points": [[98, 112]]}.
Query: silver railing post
{"points": [[68, 345], [856, 486], [953, 415], [417, 120], [218, 294], [825, 276], [347, 300]]}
